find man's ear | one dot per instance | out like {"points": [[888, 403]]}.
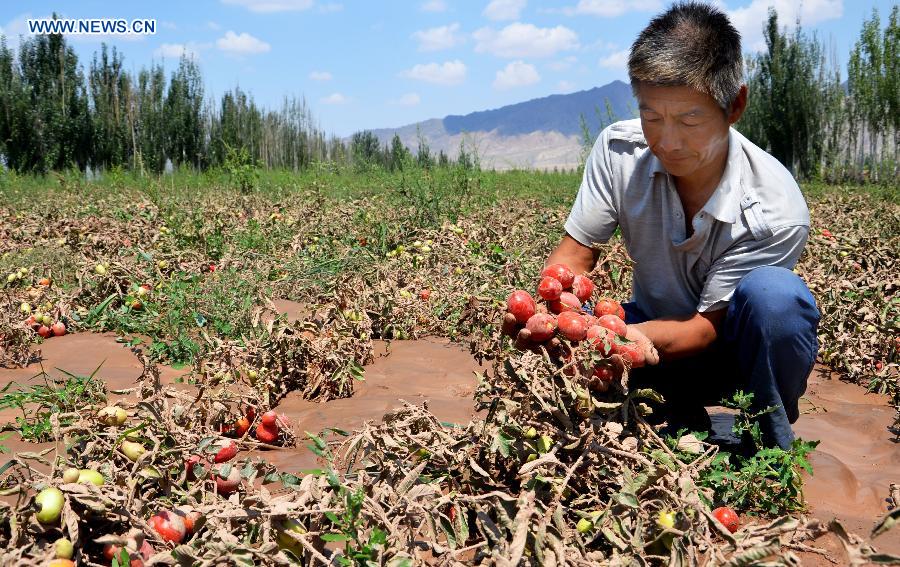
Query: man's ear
{"points": [[738, 106]]}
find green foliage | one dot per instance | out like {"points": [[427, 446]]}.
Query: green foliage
{"points": [[769, 481], [242, 168], [798, 110], [42, 403], [348, 527]]}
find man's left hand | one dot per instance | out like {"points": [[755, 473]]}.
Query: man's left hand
{"points": [[651, 356]]}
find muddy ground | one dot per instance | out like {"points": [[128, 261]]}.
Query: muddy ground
{"points": [[854, 465]]}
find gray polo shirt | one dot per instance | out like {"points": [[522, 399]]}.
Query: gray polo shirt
{"points": [[757, 216]]}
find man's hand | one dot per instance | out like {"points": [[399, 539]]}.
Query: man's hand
{"points": [[651, 356]]}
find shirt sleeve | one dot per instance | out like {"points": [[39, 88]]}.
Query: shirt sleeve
{"points": [[593, 217], [781, 249]]}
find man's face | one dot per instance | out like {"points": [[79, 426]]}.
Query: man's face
{"points": [[686, 130]]}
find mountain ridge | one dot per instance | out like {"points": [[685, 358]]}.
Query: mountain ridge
{"points": [[541, 133]]}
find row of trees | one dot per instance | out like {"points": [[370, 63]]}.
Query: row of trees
{"points": [[816, 124], [55, 116]]}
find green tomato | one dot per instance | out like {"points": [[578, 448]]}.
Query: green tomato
{"points": [[91, 476], [584, 526], [64, 548], [544, 444], [51, 502], [665, 519]]}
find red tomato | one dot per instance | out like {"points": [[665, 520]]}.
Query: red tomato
{"points": [[572, 325], [226, 453], [566, 302], [227, 485], [169, 526], [607, 306], [549, 288], [521, 305], [631, 351], [58, 328], [601, 338], [189, 465], [614, 324], [604, 373], [425, 294], [44, 331], [267, 434], [541, 326], [241, 426], [561, 272], [582, 287], [728, 518], [269, 419]]}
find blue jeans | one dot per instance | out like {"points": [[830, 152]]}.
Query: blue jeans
{"points": [[767, 345]]}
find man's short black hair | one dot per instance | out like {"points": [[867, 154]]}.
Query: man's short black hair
{"points": [[691, 44]]}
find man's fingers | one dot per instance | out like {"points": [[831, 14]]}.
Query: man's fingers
{"points": [[651, 356], [509, 325], [523, 339]]}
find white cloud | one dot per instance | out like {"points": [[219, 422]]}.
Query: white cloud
{"points": [[562, 64], [176, 50], [335, 98], [320, 76], [213, 25], [525, 40], [504, 9], [436, 39], [516, 74], [268, 6], [617, 61], [434, 6], [409, 99], [242, 44], [565, 86], [749, 19], [612, 8], [447, 73], [14, 28]]}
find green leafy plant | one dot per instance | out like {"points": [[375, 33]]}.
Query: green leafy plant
{"points": [[769, 481], [242, 168], [39, 403]]}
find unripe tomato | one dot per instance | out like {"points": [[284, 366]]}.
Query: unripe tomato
{"points": [[51, 501]]}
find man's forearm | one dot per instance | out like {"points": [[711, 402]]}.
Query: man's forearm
{"points": [[678, 338]]}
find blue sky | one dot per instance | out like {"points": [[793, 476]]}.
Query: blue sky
{"points": [[363, 64]]}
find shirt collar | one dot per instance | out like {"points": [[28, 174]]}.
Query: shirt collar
{"points": [[723, 204]]}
